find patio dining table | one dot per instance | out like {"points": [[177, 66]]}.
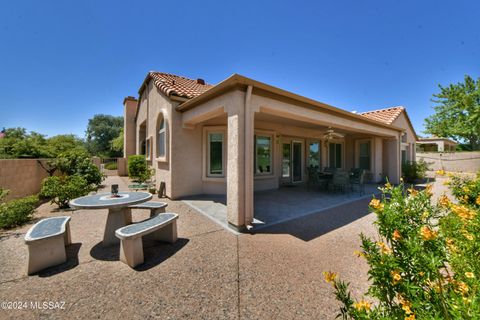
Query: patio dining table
{"points": [[119, 213]]}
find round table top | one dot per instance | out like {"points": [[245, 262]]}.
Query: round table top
{"points": [[106, 201]]}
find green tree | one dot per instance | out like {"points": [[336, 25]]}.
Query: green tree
{"points": [[17, 143], [117, 143], [64, 142], [457, 113], [101, 130]]}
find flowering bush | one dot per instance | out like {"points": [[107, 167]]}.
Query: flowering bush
{"points": [[425, 264], [465, 189]]}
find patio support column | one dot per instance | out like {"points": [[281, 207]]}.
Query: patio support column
{"points": [[236, 166], [378, 171], [393, 164], [249, 167]]}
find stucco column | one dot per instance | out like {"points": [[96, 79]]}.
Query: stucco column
{"points": [[393, 160], [377, 159], [236, 168], [248, 153]]}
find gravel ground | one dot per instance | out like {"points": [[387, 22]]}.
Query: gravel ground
{"points": [[209, 273]]}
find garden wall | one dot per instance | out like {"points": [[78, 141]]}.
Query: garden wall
{"points": [[22, 176], [455, 162]]}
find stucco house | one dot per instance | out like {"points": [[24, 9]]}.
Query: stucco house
{"points": [[242, 135]]}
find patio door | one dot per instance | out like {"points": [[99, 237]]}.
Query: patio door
{"points": [[292, 161]]}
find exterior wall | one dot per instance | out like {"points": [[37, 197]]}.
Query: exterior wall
{"points": [[410, 145], [22, 177], [454, 162], [129, 127]]}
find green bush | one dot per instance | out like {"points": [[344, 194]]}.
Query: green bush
{"points": [[424, 263], [138, 168], [465, 189], [16, 212], [64, 188], [111, 166], [3, 194], [413, 170], [78, 162]]}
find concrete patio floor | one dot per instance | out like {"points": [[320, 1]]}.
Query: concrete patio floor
{"points": [[278, 206], [209, 273]]}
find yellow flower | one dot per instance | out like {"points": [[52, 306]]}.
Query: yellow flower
{"points": [[428, 189], [427, 233], [329, 276], [396, 277], [478, 201], [411, 317], [466, 189], [462, 287], [446, 183], [412, 191], [425, 215], [362, 305], [359, 253], [384, 248], [463, 212], [376, 204], [469, 275], [440, 172], [468, 236], [388, 186], [396, 235], [444, 201]]}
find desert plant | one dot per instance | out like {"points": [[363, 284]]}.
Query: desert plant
{"points": [[17, 212], [78, 162], [138, 169], [424, 264], [413, 170], [62, 189]]}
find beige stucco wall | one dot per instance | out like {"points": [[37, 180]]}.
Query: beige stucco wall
{"points": [[129, 127], [22, 177], [410, 144], [454, 162]]}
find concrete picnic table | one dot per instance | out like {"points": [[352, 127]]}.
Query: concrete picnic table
{"points": [[119, 213]]}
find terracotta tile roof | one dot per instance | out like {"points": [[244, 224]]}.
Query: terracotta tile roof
{"points": [[171, 84], [387, 115]]}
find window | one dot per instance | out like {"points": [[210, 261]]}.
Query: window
{"points": [[335, 155], [364, 155], [263, 155], [314, 155], [404, 156], [404, 137], [215, 154], [286, 159], [161, 137], [148, 148], [142, 147]]}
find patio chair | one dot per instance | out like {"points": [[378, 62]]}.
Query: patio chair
{"points": [[357, 179], [340, 181]]}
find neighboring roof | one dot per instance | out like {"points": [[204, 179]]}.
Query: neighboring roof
{"points": [[387, 115], [172, 85], [433, 139]]}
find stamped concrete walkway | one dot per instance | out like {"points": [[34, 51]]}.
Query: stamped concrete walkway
{"points": [[209, 273]]}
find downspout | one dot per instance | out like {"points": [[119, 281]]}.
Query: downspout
{"points": [[248, 142]]}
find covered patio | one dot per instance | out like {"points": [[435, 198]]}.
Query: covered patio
{"points": [[277, 206]]}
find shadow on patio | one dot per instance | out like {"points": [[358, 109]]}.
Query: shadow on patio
{"points": [[286, 208]]}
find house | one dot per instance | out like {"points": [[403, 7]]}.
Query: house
{"points": [[436, 144], [242, 135]]}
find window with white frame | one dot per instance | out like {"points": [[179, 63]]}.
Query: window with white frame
{"points": [[161, 137], [364, 155], [263, 154], [215, 151], [314, 155]]}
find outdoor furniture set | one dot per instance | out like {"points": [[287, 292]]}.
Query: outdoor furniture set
{"points": [[46, 240], [333, 180]]}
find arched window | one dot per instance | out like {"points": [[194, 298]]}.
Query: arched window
{"points": [[161, 137]]}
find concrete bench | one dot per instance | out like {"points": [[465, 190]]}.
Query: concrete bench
{"points": [[154, 207], [162, 227], [46, 241]]}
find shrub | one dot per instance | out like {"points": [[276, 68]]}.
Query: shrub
{"points": [[64, 188], [413, 170], [466, 190], [424, 264], [111, 166], [78, 162], [3, 194], [16, 212], [138, 168]]}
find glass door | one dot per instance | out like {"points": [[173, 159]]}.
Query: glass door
{"points": [[286, 163]]}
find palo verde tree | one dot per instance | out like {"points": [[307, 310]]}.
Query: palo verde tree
{"points": [[457, 113]]}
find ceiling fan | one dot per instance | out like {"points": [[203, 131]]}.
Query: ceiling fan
{"points": [[331, 134]]}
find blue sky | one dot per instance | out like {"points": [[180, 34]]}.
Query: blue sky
{"points": [[61, 62]]}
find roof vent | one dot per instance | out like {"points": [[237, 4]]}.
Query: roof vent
{"points": [[200, 81]]}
